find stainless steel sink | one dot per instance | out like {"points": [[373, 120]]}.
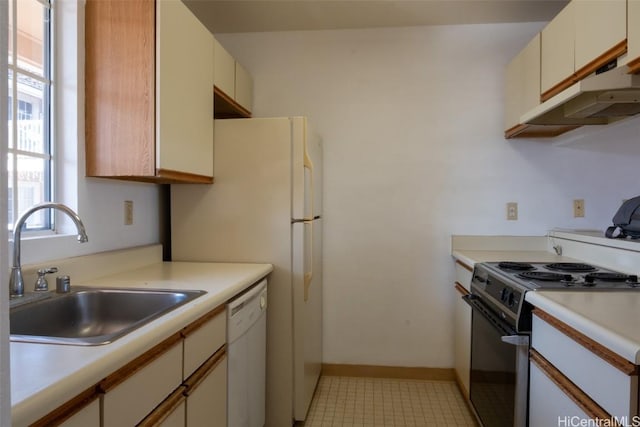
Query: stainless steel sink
{"points": [[92, 316]]}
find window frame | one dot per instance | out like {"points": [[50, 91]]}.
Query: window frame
{"points": [[48, 111]]}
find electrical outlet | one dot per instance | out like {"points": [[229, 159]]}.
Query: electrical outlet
{"points": [[578, 208], [128, 212], [512, 211]]}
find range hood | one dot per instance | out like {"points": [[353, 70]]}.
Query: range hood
{"points": [[596, 100]]}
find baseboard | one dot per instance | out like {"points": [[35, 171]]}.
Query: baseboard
{"points": [[399, 372]]}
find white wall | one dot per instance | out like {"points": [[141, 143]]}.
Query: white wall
{"points": [[414, 152]]}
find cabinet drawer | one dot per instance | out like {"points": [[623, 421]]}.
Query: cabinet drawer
{"points": [[170, 413], [548, 403], [203, 338], [207, 393], [463, 274], [147, 386], [604, 381]]}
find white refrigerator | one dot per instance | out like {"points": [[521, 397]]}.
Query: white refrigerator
{"points": [[266, 206]]}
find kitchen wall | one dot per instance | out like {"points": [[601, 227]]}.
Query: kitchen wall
{"points": [[414, 152]]}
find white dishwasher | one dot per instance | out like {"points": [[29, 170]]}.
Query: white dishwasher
{"points": [[246, 349]]}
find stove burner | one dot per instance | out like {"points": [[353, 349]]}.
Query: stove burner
{"points": [[546, 276], [607, 277], [519, 266], [573, 267]]}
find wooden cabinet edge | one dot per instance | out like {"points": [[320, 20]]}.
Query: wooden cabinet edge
{"points": [[163, 176], [463, 265], [538, 131], [204, 370], [138, 363], [225, 107], [201, 321], [165, 409], [588, 405], [68, 409], [617, 50], [634, 66], [594, 347], [461, 289]]}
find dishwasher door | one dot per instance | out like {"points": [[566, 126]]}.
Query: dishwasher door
{"points": [[246, 350]]}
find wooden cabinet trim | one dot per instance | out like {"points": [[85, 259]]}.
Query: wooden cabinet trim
{"points": [[122, 374], [68, 409], [572, 391], [165, 409], [634, 66], [204, 370], [461, 289], [197, 324], [559, 87], [608, 56], [596, 348], [175, 177], [463, 265], [538, 131], [611, 54], [225, 107]]}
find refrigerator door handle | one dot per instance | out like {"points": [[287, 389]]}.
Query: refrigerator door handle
{"points": [[308, 275], [308, 165]]}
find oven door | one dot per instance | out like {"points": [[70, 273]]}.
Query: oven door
{"points": [[499, 369]]}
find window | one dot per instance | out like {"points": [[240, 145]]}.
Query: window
{"points": [[29, 110]]}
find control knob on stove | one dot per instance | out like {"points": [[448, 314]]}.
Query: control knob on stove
{"points": [[512, 299], [504, 294]]}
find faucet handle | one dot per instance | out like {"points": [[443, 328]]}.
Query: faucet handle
{"points": [[41, 282]]}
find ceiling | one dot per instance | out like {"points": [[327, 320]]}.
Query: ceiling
{"points": [[235, 16]]}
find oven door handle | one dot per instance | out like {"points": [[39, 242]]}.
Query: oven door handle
{"points": [[500, 325], [517, 340]]}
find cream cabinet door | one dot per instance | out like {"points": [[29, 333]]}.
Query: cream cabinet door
{"points": [[244, 87], [207, 399], [522, 90], [89, 416], [184, 90], [557, 50], [600, 25], [633, 34], [224, 70]]}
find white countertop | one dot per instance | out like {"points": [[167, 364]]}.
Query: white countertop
{"points": [[44, 376], [609, 318], [470, 257]]}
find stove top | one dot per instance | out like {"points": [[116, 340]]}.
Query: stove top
{"points": [[565, 276], [501, 286]]}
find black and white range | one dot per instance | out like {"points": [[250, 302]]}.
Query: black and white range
{"points": [[501, 325]]}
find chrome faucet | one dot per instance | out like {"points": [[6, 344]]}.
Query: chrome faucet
{"points": [[16, 283]]}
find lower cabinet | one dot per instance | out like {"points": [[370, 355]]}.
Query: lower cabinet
{"points": [[180, 382], [206, 393], [574, 376], [462, 328]]}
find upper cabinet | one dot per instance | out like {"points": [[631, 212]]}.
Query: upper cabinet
{"points": [[149, 103], [233, 86], [633, 35], [583, 37], [557, 53]]}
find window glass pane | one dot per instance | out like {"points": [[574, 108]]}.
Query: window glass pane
{"points": [[32, 21], [31, 189], [30, 113], [11, 174]]}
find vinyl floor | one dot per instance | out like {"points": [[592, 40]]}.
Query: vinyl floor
{"points": [[383, 402]]}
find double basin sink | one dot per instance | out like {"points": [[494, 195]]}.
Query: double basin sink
{"points": [[92, 316]]}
